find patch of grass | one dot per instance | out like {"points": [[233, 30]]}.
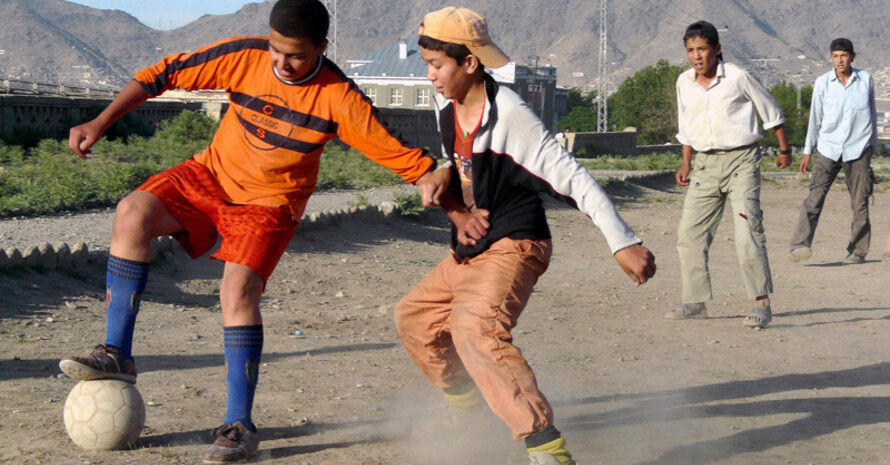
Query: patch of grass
{"points": [[671, 162], [49, 178], [650, 162], [410, 205], [347, 168], [360, 201], [611, 183]]}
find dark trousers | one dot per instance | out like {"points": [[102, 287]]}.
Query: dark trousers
{"points": [[859, 183]]}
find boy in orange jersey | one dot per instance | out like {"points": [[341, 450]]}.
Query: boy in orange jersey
{"points": [[456, 323], [250, 186]]}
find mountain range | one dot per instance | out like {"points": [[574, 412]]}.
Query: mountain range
{"points": [[58, 41]]}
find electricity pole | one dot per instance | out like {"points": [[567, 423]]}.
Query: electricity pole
{"points": [[333, 43], [534, 89], [602, 104]]}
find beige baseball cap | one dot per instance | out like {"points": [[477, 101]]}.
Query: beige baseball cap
{"points": [[463, 26]]}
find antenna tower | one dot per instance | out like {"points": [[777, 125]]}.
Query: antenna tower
{"points": [[602, 104]]}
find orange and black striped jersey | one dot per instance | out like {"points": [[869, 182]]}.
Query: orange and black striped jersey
{"points": [[269, 143]]}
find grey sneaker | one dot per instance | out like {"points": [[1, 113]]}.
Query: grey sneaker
{"points": [[543, 458], [800, 253], [688, 312], [104, 362], [234, 442], [854, 259]]}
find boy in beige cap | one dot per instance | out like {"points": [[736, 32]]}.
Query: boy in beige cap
{"points": [[456, 323]]}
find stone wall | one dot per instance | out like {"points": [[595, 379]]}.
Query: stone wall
{"points": [[56, 115], [593, 144], [418, 127]]}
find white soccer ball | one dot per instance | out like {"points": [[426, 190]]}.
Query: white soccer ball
{"points": [[104, 414]]}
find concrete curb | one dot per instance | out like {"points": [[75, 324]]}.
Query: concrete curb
{"points": [[61, 256]]}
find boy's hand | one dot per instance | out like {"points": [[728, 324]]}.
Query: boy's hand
{"points": [[804, 164], [432, 185], [682, 175], [472, 226], [638, 262], [82, 137], [783, 161]]}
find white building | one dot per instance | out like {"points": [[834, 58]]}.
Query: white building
{"points": [[395, 77]]}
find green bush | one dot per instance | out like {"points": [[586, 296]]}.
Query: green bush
{"points": [[347, 168], [48, 177], [410, 205], [11, 154]]}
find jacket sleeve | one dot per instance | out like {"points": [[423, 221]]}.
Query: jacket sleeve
{"points": [[552, 169], [210, 67], [360, 126]]}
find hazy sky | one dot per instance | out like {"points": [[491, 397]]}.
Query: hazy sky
{"points": [[168, 14]]}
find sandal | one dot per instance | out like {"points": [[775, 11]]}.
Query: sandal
{"points": [[687, 312], [759, 317]]}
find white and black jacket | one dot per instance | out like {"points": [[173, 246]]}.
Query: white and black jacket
{"points": [[514, 158]]}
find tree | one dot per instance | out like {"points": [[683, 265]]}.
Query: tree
{"points": [[582, 112], [648, 101], [796, 120]]}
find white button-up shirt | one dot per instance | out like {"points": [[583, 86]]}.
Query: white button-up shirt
{"points": [[843, 118], [723, 117]]}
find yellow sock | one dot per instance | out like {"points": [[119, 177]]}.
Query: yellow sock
{"points": [[556, 448], [471, 400]]}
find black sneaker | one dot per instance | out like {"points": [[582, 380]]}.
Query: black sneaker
{"points": [[234, 442], [104, 362]]}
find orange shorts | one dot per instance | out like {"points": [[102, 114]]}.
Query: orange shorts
{"points": [[252, 235]]}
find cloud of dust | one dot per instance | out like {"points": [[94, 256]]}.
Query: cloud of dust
{"points": [[413, 421]]}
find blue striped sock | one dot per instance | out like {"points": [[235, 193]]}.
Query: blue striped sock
{"points": [[125, 282], [243, 349]]}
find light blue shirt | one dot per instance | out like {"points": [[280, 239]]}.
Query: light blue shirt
{"points": [[843, 119]]}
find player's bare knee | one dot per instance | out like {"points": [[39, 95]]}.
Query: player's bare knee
{"points": [[131, 220], [132, 212], [241, 291]]}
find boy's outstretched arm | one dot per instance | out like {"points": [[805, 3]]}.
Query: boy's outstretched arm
{"points": [[82, 137], [637, 261], [432, 185]]}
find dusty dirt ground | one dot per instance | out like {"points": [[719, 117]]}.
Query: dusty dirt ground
{"points": [[628, 386]]}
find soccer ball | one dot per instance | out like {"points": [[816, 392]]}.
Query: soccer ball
{"points": [[104, 414]]}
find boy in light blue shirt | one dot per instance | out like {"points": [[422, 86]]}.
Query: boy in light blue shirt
{"points": [[843, 129]]}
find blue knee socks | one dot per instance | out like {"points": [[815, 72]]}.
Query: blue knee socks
{"points": [[243, 348], [125, 281]]}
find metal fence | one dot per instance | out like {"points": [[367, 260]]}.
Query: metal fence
{"points": [[14, 86]]}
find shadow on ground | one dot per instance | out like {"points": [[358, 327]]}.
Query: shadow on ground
{"points": [[822, 415]]}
